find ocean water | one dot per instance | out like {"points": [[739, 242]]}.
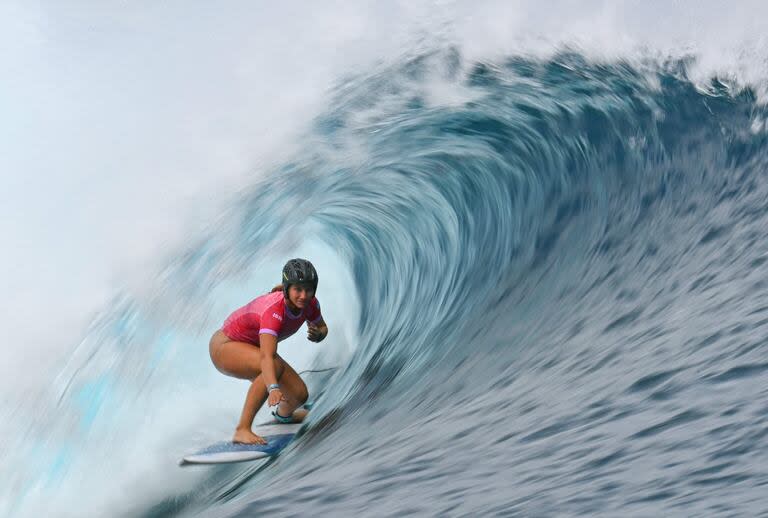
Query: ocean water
{"points": [[545, 280]]}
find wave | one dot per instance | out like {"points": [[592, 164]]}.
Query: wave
{"points": [[559, 269]]}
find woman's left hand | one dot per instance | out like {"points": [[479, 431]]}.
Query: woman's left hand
{"points": [[275, 396], [316, 333]]}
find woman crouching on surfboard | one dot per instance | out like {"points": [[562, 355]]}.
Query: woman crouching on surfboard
{"points": [[246, 346]]}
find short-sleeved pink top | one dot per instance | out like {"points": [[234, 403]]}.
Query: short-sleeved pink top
{"points": [[268, 314]]}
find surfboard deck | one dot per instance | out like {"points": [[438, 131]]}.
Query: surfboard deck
{"points": [[277, 435]]}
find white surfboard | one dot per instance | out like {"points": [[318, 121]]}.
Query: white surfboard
{"points": [[277, 435]]}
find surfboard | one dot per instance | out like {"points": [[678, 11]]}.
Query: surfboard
{"points": [[277, 435]]}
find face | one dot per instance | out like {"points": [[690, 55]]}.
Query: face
{"points": [[300, 294]]}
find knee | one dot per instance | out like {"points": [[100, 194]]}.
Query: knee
{"points": [[302, 395]]}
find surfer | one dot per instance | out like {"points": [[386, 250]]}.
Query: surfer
{"points": [[246, 346]]}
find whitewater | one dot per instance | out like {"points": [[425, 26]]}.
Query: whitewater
{"points": [[540, 247]]}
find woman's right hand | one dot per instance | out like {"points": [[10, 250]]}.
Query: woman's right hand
{"points": [[275, 397]]}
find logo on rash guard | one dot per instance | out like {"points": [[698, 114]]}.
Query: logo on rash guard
{"points": [[277, 317]]}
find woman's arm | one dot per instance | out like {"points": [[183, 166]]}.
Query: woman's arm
{"points": [[268, 347]]}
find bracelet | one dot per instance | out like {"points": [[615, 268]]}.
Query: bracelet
{"points": [[272, 387]]}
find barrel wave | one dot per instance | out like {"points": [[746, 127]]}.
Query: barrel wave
{"points": [[559, 270]]}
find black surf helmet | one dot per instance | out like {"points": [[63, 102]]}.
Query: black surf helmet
{"points": [[299, 271]]}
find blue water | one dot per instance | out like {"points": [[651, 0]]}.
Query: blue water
{"points": [[562, 302]]}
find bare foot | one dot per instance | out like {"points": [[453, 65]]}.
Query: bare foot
{"points": [[245, 436], [299, 415]]}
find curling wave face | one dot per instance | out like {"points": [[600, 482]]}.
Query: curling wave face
{"points": [[562, 286], [560, 266]]}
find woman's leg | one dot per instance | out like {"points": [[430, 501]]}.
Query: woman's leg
{"points": [[237, 359], [243, 360], [294, 391]]}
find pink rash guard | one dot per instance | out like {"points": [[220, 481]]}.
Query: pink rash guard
{"points": [[268, 314]]}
